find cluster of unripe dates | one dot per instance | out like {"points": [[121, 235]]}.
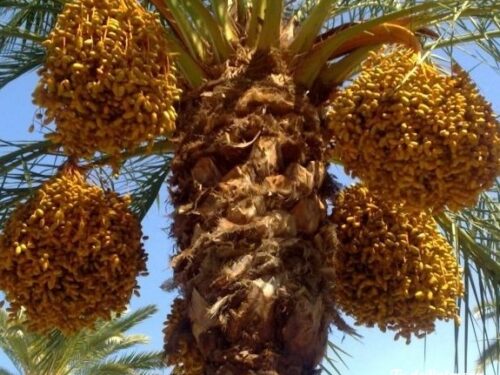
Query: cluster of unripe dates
{"points": [[108, 81], [393, 268], [70, 254]]}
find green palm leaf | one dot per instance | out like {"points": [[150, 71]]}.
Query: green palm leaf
{"points": [[16, 63], [474, 234], [23, 167], [87, 352], [132, 362], [491, 346], [26, 25]]}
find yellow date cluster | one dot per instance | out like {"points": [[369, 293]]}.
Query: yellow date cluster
{"points": [[70, 254], [108, 80], [393, 269], [414, 134]]}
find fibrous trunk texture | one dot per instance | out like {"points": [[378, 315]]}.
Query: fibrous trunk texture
{"points": [[250, 193]]}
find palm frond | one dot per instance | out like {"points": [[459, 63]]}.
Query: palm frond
{"points": [[335, 358], [490, 354], [109, 347], [16, 63], [88, 349], [90, 346], [108, 369], [14, 344], [141, 361], [23, 27], [475, 236], [142, 177], [52, 351], [119, 325], [468, 23], [24, 166], [300, 10], [310, 26], [489, 309], [34, 16]]}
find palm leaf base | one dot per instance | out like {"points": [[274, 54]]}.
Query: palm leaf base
{"points": [[250, 190]]}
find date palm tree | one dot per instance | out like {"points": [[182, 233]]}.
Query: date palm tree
{"points": [[247, 165], [107, 349]]}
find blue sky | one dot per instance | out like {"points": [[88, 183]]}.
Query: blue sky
{"points": [[376, 354]]}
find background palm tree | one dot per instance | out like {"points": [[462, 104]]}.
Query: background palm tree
{"points": [[446, 27], [107, 349], [491, 352]]}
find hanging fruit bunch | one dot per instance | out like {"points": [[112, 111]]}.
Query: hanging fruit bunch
{"points": [[70, 254], [393, 269], [108, 81], [414, 134]]}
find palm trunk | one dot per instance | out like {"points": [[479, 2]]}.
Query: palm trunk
{"points": [[249, 188]]}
